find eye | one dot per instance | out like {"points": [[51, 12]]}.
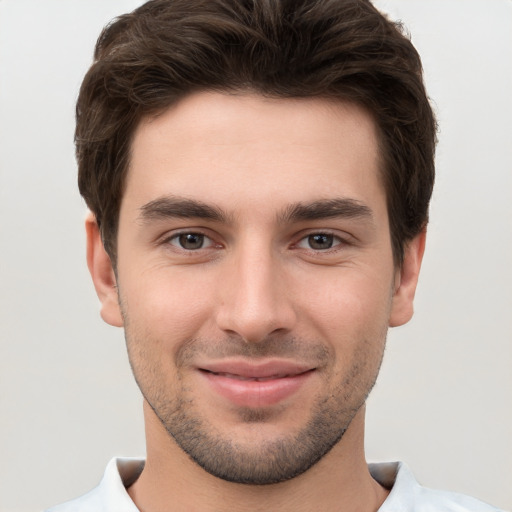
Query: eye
{"points": [[190, 241], [319, 241]]}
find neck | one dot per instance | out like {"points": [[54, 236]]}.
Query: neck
{"points": [[339, 481]]}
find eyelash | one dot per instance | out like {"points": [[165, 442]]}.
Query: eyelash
{"points": [[176, 237], [334, 239]]}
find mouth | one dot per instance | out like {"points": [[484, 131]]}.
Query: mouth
{"points": [[256, 385], [254, 379]]}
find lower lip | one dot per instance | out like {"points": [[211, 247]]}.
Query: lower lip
{"points": [[253, 393]]}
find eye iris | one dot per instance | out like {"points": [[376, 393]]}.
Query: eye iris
{"points": [[191, 240], [320, 241]]}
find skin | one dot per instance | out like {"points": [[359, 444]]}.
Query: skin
{"points": [[271, 282]]}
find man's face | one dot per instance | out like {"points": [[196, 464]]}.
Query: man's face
{"points": [[255, 277]]}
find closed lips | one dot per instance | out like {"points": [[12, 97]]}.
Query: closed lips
{"points": [[258, 379]]}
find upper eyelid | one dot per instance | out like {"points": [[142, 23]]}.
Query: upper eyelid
{"points": [[179, 232], [188, 232], [170, 243], [218, 240], [184, 231], [206, 239], [339, 238], [344, 236]]}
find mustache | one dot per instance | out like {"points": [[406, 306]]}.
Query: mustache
{"points": [[287, 347]]}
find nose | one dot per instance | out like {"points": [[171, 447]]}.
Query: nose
{"points": [[254, 300]]}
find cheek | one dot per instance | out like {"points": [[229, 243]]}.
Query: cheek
{"points": [[165, 305], [353, 321], [348, 307]]}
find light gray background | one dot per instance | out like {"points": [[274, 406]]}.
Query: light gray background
{"points": [[67, 399]]}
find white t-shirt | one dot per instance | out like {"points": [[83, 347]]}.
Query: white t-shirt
{"points": [[406, 494]]}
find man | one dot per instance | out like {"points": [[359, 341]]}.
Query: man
{"points": [[259, 176]]}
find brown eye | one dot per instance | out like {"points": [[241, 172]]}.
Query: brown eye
{"points": [[320, 241], [190, 241]]}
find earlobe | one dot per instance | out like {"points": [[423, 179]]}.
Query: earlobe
{"points": [[406, 281], [102, 273]]}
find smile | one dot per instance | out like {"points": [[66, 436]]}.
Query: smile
{"points": [[257, 379], [247, 385]]}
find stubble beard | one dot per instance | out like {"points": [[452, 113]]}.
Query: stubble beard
{"points": [[271, 461]]}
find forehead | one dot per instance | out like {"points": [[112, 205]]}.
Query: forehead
{"points": [[245, 149]]}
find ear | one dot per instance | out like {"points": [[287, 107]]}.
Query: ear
{"points": [[102, 274], [406, 280]]}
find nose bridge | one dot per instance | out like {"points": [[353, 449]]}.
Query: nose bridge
{"points": [[254, 302]]}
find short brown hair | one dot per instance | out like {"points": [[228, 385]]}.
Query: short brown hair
{"points": [[147, 60]]}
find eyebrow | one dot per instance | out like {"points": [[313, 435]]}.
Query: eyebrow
{"points": [[326, 209], [180, 208], [183, 208]]}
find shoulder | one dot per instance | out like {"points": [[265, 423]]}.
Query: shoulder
{"points": [[111, 494], [406, 494]]}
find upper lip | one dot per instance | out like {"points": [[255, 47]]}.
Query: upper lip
{"points": [[256, 370]]}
